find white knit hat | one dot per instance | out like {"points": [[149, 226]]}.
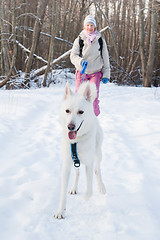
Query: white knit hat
{"points": [[90, 19]]}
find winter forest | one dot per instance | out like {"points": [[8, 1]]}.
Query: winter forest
{"points": [[36, 37]]}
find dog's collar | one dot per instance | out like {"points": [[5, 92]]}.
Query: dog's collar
{"points": [[74, 155]]}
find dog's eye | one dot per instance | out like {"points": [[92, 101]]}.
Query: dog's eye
{"points": [[68, 111], [80, 112]]}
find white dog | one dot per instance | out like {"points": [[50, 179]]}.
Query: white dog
{"points": [[82, 132]]}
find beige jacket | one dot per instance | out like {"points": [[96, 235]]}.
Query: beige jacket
{"points": [[92, 55]]}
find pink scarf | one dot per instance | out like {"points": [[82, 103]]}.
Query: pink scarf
{"points": [[90, 36]]}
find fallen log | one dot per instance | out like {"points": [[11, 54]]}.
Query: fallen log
{"points": [[63, 56]]}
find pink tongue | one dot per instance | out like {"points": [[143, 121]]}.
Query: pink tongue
{"points": [[72, 135]]}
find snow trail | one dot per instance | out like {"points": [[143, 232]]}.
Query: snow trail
{"points": [[30, 173]]}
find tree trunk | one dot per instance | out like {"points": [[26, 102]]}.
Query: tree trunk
{"points": [[4, 47], [147, 61], [2, 83], [132, 38], [151, 46], [50, 57], [142, 40], [37, 27]]}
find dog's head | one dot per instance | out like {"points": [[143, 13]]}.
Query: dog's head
{"points": [[77, 111]]}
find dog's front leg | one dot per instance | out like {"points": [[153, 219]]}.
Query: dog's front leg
{"points": [[64, 184], [89, 176], [74, 187]]}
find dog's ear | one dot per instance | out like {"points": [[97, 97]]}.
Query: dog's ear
{"points": [[68, 91], [88, 90], [87, 93]]}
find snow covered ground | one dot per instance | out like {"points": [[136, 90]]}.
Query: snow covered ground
{"points": [[30, 160]]}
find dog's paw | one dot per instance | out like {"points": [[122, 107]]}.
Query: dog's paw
{"points": [[73, 192], [59, 215]]}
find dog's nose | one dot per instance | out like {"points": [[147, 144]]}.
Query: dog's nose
{"points": [[71, 126]]}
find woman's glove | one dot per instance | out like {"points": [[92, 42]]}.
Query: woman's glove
{"points": [[105, 80]]}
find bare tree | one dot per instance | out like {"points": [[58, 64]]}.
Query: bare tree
{"points": [[2, 83], [37, 27], [50, 57], [4, 47], [112, 34], [147, 60]]}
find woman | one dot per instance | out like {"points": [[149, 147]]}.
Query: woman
{"points": [[89, 51]]}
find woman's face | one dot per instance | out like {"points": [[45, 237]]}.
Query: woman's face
{"points": [[89, 27]]}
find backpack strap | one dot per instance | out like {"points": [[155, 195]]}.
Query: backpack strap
{"points": [[100, 41], [81, 44]]}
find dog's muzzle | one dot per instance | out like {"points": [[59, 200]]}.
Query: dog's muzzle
{"points": [[71, 127]]}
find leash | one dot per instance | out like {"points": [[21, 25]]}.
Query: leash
{"points": [[74, 145], [74, 155], [83, 71]]}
